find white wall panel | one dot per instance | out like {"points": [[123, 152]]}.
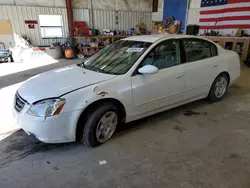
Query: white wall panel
{"points": [[128, 20], [193, 16], [157, 16], [160, 5], [104, 4], [7, 2], [81, 15], [103, 19], [8, 41], [194, 4], [18, 14], [125, 5], [47, 3], [106, 19]]}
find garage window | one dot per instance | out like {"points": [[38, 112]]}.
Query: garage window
{"points": [[51, 26]]}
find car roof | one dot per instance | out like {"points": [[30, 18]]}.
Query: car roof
{"points": [[154, 38]]}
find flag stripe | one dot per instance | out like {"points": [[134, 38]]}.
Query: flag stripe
{"points": [[228, 14], [230, 22], [227, 18], [225, 10], [226, 27], [236, 5], [237, 1]]}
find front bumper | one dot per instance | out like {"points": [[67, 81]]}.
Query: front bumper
{"points": [[4, 59], [56, 129]]}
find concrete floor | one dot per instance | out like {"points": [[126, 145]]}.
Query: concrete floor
{"points": [[199, 145]]}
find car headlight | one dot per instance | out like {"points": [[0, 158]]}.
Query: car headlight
{"points": [[48, 107]]}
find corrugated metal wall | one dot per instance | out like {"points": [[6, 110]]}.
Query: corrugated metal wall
{"points": [[130, 19], [81, 15], [103, 19], [106, 19], [157, 16], [18, 14]]}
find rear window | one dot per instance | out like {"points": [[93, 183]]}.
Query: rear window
{"points": [[198, 49]]}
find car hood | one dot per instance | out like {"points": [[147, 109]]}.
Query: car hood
{"points": [[58, 82]]}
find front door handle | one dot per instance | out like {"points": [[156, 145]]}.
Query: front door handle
{"points": [[215, 66], [179, 77]]}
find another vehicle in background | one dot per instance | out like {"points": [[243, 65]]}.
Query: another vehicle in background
{"points": [[5, 55]]}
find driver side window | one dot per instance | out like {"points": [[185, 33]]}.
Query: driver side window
{"points": [[164, 55]]}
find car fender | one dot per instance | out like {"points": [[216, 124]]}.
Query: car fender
{"points": [[230, 63], [119, 89], [233, 65]]}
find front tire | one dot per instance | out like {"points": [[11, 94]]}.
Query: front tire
{"points": [[9, 60], [219, 88], [100, 125]]}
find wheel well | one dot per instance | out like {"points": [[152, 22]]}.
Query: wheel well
{"points": [[227, 74], [90, 108]]}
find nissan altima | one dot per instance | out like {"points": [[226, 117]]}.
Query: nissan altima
{"points": [[130, 79]]}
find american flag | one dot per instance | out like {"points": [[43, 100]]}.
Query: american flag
{"points": [[229, 14]]}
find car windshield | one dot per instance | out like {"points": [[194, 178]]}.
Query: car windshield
{"points": [[117, 58], [2, 47]]}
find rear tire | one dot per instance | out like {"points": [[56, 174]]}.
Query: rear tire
{"points": [[219, 88], [95, 132], [9, 60]]}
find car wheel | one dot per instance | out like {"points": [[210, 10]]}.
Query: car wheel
{"points": [[100, 125], [219, 88], [9, 60]]}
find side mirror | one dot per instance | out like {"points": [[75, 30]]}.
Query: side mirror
{"points": [[148, 69]]}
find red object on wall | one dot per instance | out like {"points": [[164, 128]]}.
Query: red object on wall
{"points": [[31, 26], [81, 28], [30, 21], [80, 24]]}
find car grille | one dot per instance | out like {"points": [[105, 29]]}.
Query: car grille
{"points": [[19, 102]]}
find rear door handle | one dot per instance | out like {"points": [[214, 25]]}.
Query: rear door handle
{"points": [[179, 77], [215, 66]]}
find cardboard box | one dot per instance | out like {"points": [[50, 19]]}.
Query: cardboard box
{"points": [[158, 28], [175, 28], [141, 29], [172, 29]]}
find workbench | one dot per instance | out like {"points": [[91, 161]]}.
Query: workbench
{"points": [[103, 37], [90, 49], [238, 44]]}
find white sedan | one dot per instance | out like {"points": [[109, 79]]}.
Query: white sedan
{"points": [[128, 80]]}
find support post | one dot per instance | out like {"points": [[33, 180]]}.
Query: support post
{"points": [[70, 18]]}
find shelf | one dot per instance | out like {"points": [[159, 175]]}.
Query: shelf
{"points": [[232, 42]]}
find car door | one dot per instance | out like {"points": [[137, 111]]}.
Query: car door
{"points": [[153, 92], [202, 66]]}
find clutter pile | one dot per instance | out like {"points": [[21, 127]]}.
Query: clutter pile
{"points": [[91, 40], [169, 25], [158, 28], [141, 29]]}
